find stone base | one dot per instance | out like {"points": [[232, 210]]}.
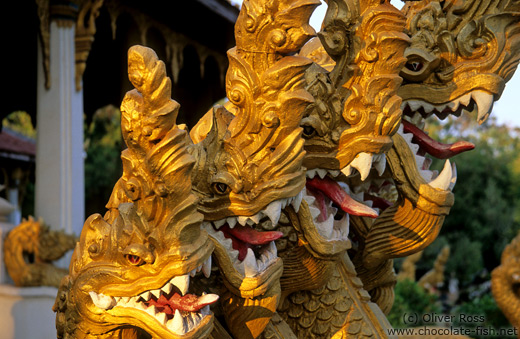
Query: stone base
{"points": [[26, 312]]}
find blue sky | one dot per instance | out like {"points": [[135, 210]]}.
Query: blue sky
{"points": [[506, 110]]}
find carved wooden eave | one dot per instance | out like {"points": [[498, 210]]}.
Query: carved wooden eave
{"points": [[84, 13]]}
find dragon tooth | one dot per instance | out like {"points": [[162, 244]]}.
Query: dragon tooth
{"points": [[326, 227], [102, 301], [347, 170], [219, 223], [250, 268], [381, 165], [242, 220], [193, 272], [226, 242], [161, 317], [257, 217], [177, 325], [315, 212], [146, 295], [453, 105], [125, 300], [321, 172], [167, 288], [464, 100], [232, 221], [239, 265], [311, 173], [182, 282], [206, 267], [273, 250], [250, 222], [453, 180], [334, 173], [484, 102], [414, 105], [273, 211], [309, 199], [152, 310], [363, 163], [444, 178], [233, 255], [428, 108], [156, 293], [297, 201], [260, 265]]}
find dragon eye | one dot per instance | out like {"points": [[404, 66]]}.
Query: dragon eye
{"points": [[308, 131], [134, 259], [220, 188]]}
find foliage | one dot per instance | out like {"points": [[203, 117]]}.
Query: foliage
{"points": [[20, 122], [486, 215], [410, 298], [484, 308], [103, 144]]}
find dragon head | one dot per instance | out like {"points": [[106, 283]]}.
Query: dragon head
{"points": [[131, 269], [462, 54], [250, 152], [356, 111]]}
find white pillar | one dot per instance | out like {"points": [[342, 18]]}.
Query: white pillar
{"points": [[59, 156]]}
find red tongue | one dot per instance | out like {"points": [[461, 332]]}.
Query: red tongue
{"points": [[335, 193], [244, 237], [433, 147], [188, 303]]}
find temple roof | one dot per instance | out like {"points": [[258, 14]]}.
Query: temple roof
{"points": [[16, 146]]}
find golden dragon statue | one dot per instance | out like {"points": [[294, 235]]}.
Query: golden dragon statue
{"points": [[296, 245], [412, 221], [250, 155], [505, 282], [29, 251], [130, 273]]}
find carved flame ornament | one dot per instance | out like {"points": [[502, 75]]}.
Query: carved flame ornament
{"points": [[279, 214]]}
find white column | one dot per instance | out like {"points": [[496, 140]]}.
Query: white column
{"points": [[59, 157]]}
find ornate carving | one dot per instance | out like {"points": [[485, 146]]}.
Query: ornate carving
{"points": [[130, 272], [462, 54], [29, 250], [85, 31], [505, 282], [250, 157]]}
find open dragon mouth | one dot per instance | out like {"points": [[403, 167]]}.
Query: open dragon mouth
{"points": [[250, 240], [171, 305], [331, 202], [480, 100]]}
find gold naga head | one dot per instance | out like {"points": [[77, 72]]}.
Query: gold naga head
{"points": [[250, 158], [131, 269], [462, 54], [356, 111], [250, 153]]}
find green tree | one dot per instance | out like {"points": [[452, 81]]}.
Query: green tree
{"points": [[485, 216], [103, 144]]}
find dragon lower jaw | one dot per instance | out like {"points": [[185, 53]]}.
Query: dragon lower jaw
{"points": [[171, 306]]}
